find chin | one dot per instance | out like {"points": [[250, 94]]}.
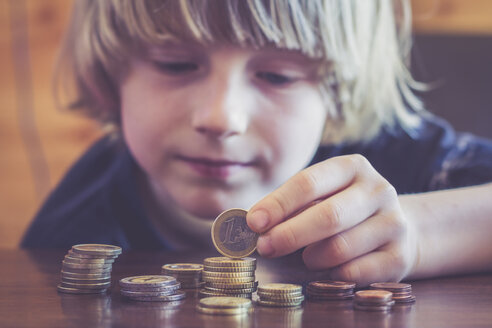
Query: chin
{"points": [[206, 205]]}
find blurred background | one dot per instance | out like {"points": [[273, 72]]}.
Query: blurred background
{"points": [[38, 142]]}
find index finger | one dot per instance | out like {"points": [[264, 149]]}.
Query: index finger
{"points": [[311, 184]]}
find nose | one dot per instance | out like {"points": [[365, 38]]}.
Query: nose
{"points": [[223, 110]]}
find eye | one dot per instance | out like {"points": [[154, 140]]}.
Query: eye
{"points": [[176, 68], [274, 78]]}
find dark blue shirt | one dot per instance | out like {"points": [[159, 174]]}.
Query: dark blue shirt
{"points": [[97, 201]]}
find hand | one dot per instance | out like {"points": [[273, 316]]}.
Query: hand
{"points": [[346, 215]]}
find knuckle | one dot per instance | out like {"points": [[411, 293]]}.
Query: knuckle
{"points": [[359, 162], [339, 249], [307, 182], [350, 272], [330, 217], [280, 205], [288, 238]]}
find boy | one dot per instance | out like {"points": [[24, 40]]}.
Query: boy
{"points": [[301, 111]]}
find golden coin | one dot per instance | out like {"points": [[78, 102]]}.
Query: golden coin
{"points": [[277, 304], [228, 269], [222, 285], [228, 274], [210, 293], [227, 262], [240, 280], [279, 296], [213, 311], [231, 234], [280, 288], [225, 302], [230, 290]]}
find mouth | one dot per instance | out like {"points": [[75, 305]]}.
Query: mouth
{"points": [[214, 168]]}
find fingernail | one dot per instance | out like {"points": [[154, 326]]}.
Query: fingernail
{"points": [[259, 220], [264, 246]]}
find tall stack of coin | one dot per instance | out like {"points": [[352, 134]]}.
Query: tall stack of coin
{"points": [[224, 305], [157, 288], [188, 274], [280, 295], [373, 300], [86, 269], [328, 290], [402, 293], [224, 276]]}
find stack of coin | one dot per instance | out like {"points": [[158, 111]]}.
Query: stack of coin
{"points": [[280, 295], [224, 305], [151, 288], [328, 290], [373, 300], [402, 293], [188, 274], [224, 276], [86, 269]]}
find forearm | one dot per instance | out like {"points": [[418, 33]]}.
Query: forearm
{"points": [[454, 230]]}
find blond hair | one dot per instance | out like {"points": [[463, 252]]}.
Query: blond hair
{"points": [[363, 44]]}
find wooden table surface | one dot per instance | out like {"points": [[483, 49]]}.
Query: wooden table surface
{"points": [[29, 298]]}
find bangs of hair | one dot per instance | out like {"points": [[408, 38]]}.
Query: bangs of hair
{"points": [[365, 82]]}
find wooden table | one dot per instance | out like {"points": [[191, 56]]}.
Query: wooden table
{"points": [[28, 298]]}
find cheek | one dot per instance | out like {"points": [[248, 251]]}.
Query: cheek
{"points": [[295, 134]]}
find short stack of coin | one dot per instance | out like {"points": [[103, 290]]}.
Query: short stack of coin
{"points": [[156, 288], [188, 274], [402, 293], [224, 276], [328, 290], [280, 295], [373, 300], [224, 305], [86, 269]]}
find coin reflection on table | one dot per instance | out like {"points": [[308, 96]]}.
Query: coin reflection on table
{"points": [[94, 310], [287, 317]]}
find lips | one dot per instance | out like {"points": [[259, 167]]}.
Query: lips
{"points": [[214, 168]]}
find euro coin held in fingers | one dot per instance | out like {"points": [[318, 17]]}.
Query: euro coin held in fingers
{"points": [[231, 235]]}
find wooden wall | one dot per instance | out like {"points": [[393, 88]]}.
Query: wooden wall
{"points": [[38, 142]]}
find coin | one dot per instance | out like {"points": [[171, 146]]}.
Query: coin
{"points": [[147, 281], [226, 262], [210, 293], [225, 302], [373, 296], [233, 311], [214, 274], [280, 288], [183, 267], [69, 290], [279, 303], [330, 284], [162, 298], [231, 234], [96, 249]]}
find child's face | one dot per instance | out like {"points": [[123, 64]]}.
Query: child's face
{"points": [[216, 128]]}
